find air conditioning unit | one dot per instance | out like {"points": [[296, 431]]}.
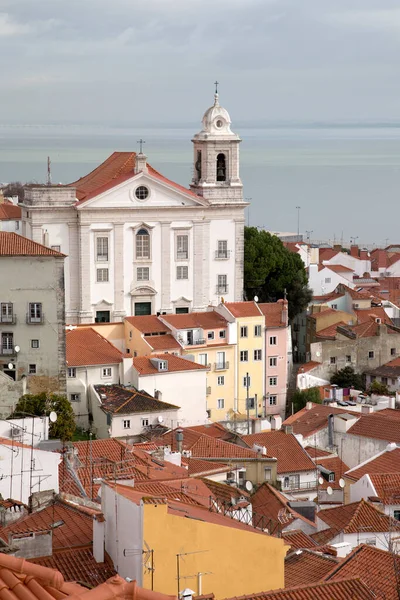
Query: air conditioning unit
{"points": [[15, 432]]}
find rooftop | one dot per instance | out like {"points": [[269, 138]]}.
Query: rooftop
{"points": [[116, 399], [307, 566], [275, 313], [205, 446], [273, 505], [9, 212], [377, 426], [336, 466], [162, 342], [243, 309], [387, 461], [144, 366], [86, 347], [309, 420], [12, 244], [297, 539], [148, 324], [196, 320], [285, 447]]}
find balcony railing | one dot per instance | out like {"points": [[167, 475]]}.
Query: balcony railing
{"points": [[9, 319], [222, 254], [298, 486], [199, 342], [221, 366], [222, 289], [31, 320], [7, 351]]}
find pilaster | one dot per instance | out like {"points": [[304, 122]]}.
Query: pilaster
{"points": [[166, 266], [85, 309], [71, 270], [201, 265], [239, 259], [119, 309]]}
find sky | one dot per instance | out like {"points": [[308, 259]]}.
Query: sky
{"points": [[156, 60]]}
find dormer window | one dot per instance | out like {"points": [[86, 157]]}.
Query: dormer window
{"points": [[163, 365], [221, 167]]}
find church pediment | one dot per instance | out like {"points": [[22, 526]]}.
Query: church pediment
{"points": [[142, 290], [142, 191]]}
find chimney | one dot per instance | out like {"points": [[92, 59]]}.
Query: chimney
{"points": [[288, 429], [284, 313], [309, 405], [276, 422], [140, 163], [330, 431], [366, 409], [354, 250], [179, 440], [337, 247], [98, 539], [364, 255]]}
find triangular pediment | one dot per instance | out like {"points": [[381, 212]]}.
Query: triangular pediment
{"points": [[142, 191]]}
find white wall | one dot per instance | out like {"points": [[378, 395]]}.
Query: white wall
{"points": [[318, 280], [136, 425], [16, 464], [27, 431], [186, 389], [346, 260]]}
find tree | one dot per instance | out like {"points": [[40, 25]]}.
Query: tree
{"points": [[378, 388], [42, 405], [270, 269], [15, 188], [301, 397], [347, 377]]}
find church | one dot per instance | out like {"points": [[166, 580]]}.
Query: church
{"points": [[136, 242]]}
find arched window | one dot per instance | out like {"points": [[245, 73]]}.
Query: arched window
{"points": [[221, 167], [142, 244]]}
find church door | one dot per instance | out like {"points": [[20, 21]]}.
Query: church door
{"points": [[142, 308]]}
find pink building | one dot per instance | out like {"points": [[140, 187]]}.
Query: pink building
{"points": [[277, 346]]}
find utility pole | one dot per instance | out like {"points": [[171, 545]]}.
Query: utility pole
{"points": [[298, 220]]}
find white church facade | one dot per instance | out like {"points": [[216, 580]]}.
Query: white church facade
{"points": [[138, 243]]}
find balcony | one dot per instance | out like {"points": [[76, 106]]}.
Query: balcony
{"points": [[199, 342], [293, 486], [7, 351], [34, 320], [9, 319], [222, 289], [221, 366], [222, 254]]}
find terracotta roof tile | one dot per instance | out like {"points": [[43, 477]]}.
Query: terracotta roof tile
{"points": [[376, 426], [274, 313], [9, 212], [307, 421], [347, 589], [336, 466], [148, 324], [387, 486], [243, 309], [309, 366], [366, 315], [162, 342], [297, 539], [339, 268], [76, 528], [286, 448], [86, 347], [317, 452], [202, 320], [323, 312], [307, 566], [117, 399], [79, 565], [12, 244], [144, 366], [378, 569], [198, 467], [215, 430], [331, 331], [273, 505], [206, 446], [385, 462]]}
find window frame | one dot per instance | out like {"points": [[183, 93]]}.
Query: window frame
{"points": [[141, 270], [222, 283], [245, 381], [35, 312], [273, 340], [104, 372], [271, 363], [99, 278], [210, 335], [273, 400], [257, 328], [75, 397], [332, 360], [71, 373], [181, 240], [221, 380], [35, 347], [32, 369], [222, 249], [182, 272], [244, 331], [102, 248], [257, 353], [142, 244], [271, 381], [371, 354], [244, 356], [220, 403], [222, 334], [126, 423]]}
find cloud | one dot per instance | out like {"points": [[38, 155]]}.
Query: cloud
{"points": [[9, 27], [367, 20]]}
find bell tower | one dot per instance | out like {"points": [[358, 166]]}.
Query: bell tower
{"points": [[216, 158]]}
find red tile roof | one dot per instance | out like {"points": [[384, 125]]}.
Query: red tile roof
{"points": [[86, 347], [205, 446], [317, 452], [347, 589], [366, 315], [274, 313], [148, 324], [9, 212], [188, 491], [76, 528], [79, 565], [387, 486], [116, 169], [307, 566], [331, 331], [336, 466], [327, 253], [378, 569], [323, 312], [116, 399], [202, 320], [214, 430], [309, 366], [273, 505], [377, 426], [243, 309], [162, 342], [307, 421], [291, 455], [198, 467], [144, 366], [297, 539], [339, 268], [12, 244], [385, 462], [357, 516]]}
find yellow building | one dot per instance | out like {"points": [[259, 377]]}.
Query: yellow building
{"points": [[249, 324], [169, 545], [147, 334], [206, 337]]}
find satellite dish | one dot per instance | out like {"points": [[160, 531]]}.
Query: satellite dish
{"points": [[329, 490], [248, 485], [53, 416], [10, 365], [160, 419], [320, 480], [318, 353], [255, 298], [342, 482], [17, 348]]}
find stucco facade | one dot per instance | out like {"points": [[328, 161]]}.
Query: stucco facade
{"points": [[138, 243]]}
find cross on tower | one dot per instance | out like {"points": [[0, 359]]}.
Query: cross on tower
{"points": [[141, 142], [216, 83]]}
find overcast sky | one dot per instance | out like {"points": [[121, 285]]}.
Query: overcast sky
{"points": [[156, 60]]}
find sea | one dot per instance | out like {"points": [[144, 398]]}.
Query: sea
{"points": [[344, 178]]}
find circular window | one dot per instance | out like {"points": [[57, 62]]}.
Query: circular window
{"points": [[142, 192], [219, 123]]}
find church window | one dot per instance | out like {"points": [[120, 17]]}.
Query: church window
{"points": [[102, 249], [182, 272], [102, 275], [142, 244], [182, 247], [142, 192], [221, 167], [198, 164], [222, 284], [143, 274]]}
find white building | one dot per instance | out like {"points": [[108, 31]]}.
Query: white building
{"points": [[138, 243], [10, 215], [174, 380], [28, 430]]}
